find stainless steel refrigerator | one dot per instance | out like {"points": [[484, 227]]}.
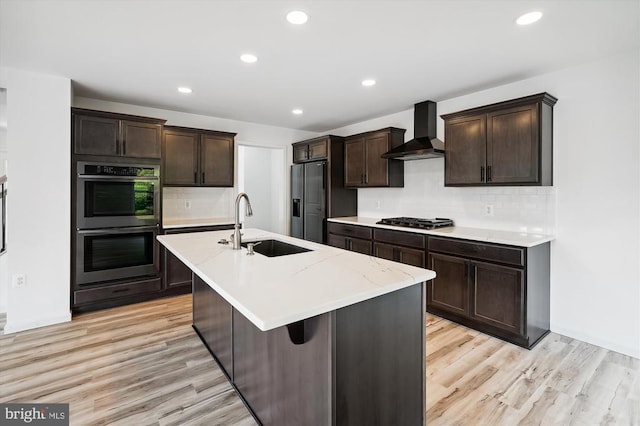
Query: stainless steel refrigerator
{"points": [[309, 203]]}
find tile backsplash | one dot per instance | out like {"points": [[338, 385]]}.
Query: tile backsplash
{"points": [[519, 209], [197, 203]]}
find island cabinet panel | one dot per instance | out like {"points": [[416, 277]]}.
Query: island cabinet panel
{"points": [[380, 360], [363, 364], [500, 290], [212, 318], [284, 383], [117, 135], [507, 143]]}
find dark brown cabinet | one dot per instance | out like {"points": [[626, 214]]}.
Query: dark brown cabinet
{"points": [[363, 164], [311, 150], [403, 247], [195, 157], [175, 273], [108, 134], [496, 289], [508, 143], [350, 237]]}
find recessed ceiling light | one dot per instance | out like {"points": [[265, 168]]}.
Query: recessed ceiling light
{"points": [[248, 58], [297, 17], [296, 111], [368, 82], [529, 18], [184, 90]]}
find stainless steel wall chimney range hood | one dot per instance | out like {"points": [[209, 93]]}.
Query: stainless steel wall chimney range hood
{"points": [[424, 144]]}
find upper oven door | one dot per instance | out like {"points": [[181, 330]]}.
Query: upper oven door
{"points": [[114, 201]]}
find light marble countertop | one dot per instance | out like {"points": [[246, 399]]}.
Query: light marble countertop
{"points": [[188, 223], [520, 239], [275, 291]]}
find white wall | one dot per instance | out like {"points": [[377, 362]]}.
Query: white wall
{"points": [[4, 266], [593, 208], [38, 211]]}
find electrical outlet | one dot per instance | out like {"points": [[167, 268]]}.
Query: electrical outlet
{"points": [[19, 280], [488, 210], [377, 204], [187, 204]]}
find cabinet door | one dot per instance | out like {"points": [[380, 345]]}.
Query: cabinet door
{"points": [[376, 168], [359, 246], [141, 140], [216, 160], [318, 150], [513, 145], [354, 162], [465, 152], [449, 290], [404, 255], [180, 158], [176, 273], [497, 296], [339, 241], [96, 135], [212, 317], [300, 153]]}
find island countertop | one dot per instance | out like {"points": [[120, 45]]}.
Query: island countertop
{"points": [[276, 291]]}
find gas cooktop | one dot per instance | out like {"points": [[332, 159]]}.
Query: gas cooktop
{"points": [[412, 222]]}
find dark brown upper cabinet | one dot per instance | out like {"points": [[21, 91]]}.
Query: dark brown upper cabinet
{"points": [[195, 157], [508, 143], [363, 164], [119, 135], [311, 150]]}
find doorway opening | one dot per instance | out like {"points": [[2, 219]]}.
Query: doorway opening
{"points": [[262, 175]]}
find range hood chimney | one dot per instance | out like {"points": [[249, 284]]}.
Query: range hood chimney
{"points": [[424, 144]]}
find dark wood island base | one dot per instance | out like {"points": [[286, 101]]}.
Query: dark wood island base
{"points": [[363, 364]]}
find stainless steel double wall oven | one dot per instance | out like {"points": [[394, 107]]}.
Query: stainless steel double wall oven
{"points": [[117, 221]]}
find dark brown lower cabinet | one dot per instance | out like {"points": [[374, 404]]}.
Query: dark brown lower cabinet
{"points": [[349, 237], [175, 273], [449, 291], [359, 365], [499, 290]]}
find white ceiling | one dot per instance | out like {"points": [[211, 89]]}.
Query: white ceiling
{"points": [[138, 52]]}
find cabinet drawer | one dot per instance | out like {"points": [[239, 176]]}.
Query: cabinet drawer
{"points": [[406, 239], [116, 291], [349, 230], [490, 252]]}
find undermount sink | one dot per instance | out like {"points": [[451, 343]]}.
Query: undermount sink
{"points": [[274, 248]]}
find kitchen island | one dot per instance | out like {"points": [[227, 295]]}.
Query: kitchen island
{"points": [[325, 337]]}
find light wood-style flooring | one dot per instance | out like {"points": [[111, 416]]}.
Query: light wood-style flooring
{"points": [[143, 364]]}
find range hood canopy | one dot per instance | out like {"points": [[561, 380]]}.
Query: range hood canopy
{"points": [[424, 144]]}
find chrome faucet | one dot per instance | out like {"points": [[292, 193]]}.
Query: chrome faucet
{"points": [[237, 237]]}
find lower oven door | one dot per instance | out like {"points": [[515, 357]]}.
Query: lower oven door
{"points": [[116, 254]]}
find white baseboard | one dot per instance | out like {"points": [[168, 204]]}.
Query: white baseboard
{"points": [[16, 326], [612, 346]]}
